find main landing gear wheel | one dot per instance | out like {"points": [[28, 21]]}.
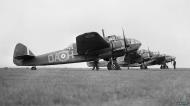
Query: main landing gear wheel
{"points": [[164, 66], [113, 65], [33, 68], [143, 67]]}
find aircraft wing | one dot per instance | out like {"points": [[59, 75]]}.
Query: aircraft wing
{"points": [[158, 60], [155, 60], [90, 42], [132, 57]]}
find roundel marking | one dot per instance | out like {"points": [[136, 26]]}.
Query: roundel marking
{"points": [[63, 56]]}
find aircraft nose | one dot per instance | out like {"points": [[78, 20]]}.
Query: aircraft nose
{"points": [[137, 41], [170, 58], [134, 41], [135, 45], [173, 58], [138, 45]]}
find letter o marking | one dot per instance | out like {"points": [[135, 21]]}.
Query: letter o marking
{"points": [[63, 56]]}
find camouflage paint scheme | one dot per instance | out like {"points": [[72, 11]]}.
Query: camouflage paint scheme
{"points": [[136, 59], [88, 47]]}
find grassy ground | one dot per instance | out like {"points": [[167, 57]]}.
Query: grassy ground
{"points": [[83, 87]]}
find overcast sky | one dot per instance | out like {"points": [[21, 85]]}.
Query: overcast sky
{"points": [[49, 25]]}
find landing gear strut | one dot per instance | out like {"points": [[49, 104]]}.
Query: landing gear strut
{"points": [[33, 68], [163, 66], [142, 66], [113, 65]]}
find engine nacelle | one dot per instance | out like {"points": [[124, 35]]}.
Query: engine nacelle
{"points": [[116, 44], [113, 52]]}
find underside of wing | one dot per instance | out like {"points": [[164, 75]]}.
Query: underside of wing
{"points": [[158, 60], [132, 57], [90, 42]]}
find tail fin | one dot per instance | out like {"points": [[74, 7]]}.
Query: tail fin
{"points": [[21, 53]]}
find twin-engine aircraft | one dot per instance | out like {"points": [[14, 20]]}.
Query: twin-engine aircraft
{"points": [[88, 47], [141, 58]]}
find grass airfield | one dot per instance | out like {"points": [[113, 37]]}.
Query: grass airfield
{"points": [[84, 87]]}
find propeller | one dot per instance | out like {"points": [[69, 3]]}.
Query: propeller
{"points": [[149, 54], [125, 41], [125, 44], [158, 53], [103, 33]]}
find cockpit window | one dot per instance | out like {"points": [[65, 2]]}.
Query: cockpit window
{"points": [[71, 47], [142, 51], [132, 41], [112, 38], [156, 53], [145, 52], [129, 41]]}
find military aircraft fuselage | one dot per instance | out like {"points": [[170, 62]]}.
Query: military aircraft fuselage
{"points": [[69, 55], [72, 54], [58, 57]]}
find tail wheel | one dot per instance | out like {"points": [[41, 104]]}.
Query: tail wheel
{"points": [[33, 68]]}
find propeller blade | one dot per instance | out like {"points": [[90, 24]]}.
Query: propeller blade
{"points": [[125, 42], [103, 33], [149, 54], [159, 53]]}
